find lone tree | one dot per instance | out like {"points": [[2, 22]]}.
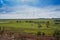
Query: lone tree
{"points": [[39, 25], [17, 21], [0, 27], [47, 24]]}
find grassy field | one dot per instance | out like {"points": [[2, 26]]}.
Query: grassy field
{"points": [[33, 26]]}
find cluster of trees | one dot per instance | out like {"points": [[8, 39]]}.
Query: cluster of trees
{"points": [[57, 21], [26, 21], [36, 22], [39, 23], [56, 34], [18, 21]]}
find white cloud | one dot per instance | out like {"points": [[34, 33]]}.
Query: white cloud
{"points": [[25, 12]]}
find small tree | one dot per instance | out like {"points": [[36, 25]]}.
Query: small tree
{"points": [[47, 24], [0, 28], [17, 21], [39, 26]]}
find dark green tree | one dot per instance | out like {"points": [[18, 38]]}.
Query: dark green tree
{"points": [[47, 24], [17, 21], [43, 33], [39, 25], [38, 33]]}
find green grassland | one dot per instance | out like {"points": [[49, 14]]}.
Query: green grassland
{"points": [[33, 26]]}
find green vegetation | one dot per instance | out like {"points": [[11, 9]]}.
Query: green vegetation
{"points": [[33, 26]]}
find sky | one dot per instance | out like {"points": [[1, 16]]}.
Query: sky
{"points": [[29, 9]]}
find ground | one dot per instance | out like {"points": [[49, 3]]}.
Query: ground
{"points": [[31, 29], [10, 35]]}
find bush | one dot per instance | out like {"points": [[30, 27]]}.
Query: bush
{"points": [[38, 33], [57, 34], [43, 33], [39, 25]]}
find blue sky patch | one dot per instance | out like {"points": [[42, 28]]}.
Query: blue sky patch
{"points": [[30, 7]]}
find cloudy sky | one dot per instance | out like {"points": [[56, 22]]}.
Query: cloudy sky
{"points": [[24, 9]]}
